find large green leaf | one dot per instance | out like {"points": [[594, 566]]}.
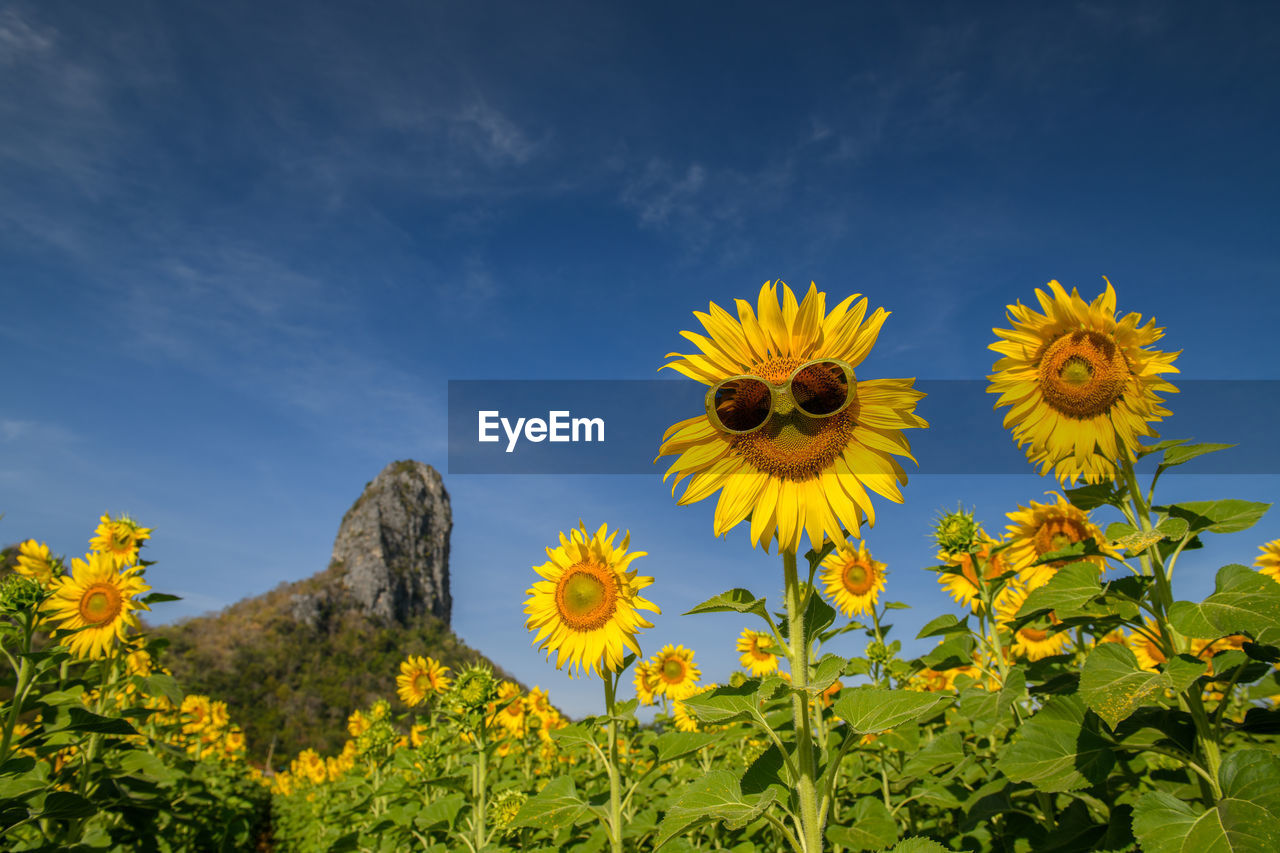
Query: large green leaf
{"points": [[871, 710], [557, 805], [1225, 516], [1186, 452], [918, 844], [1243, 601], [84, 720], [1247, 818], [868, 826], [825, 672], [673, 745], [733, 601], [944, 750], [1067, 593], [727, 703], [1112, 684], [443, 811], [1061, 748], [713, 798], [945, 624]]}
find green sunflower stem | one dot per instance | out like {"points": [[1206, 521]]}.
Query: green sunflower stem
{"points": [[810, 821], [24, 677], [478, 782], [615, 782]]}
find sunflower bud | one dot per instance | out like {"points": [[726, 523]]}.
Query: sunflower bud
{"points": [[19, 594], [504, 807], [956, 532], [474, 688]]}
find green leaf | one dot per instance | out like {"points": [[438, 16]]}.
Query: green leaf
{"points": [[673, 745], [1173, 528], [442, 812], [1243, 601], [1186, 452], [715, 797], [1112, 684], [64, 804], [1061, 748], [1092, 497], [159, 597], [950, 653], [869, 826], [825, 673], [557, 805], [871, 710], [1225, 516], [919, 844], [733, 601], [945, 624], [726, 703], [582, 734], [162, 685], [83, 720], [1160, 445], [1247, 818], [896, 605], [1067, 593], [945, 749], [1181, 671]]}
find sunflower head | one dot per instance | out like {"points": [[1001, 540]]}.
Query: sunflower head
{"points": [[1034, 640], [754, 652], [1268, 562], [98, 599], [421, 678], [1042, 529], [586, 608], [646, 682], [119, 539], [675, 672], [1081, 386], [964, 584], [35, 562], [852, 579], [789, 471]]}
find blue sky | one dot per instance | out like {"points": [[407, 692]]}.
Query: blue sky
{"points": [[243, 248]]}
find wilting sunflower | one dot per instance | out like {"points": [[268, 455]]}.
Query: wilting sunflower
{"points": [[1044, 528], [754, 654], [586, 608], [1034, 640], [853, 579], [1080, 385], [97, 598], [419, 678], [35, 562], [677, 674], [119, 538], [963, 585], [1268, 562], [789, 471]]}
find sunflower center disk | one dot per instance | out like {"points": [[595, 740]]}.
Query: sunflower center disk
{"points": [[1035, 635], [100, 603], [586, 596], [673, 671], [1083, 374], [1056, 535], [857, 579], [422, 682], [794, 446]]}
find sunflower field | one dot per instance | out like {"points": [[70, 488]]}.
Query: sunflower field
{"points": [[1069, 701]]}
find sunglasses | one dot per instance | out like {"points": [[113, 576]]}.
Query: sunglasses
{"points": [[819, 389]]}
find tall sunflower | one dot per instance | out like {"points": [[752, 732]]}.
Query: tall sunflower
{"points": [[1044, 528], [99, 599], [1080, 385], [753, 652], [119, 538], [677, 674], [853, 580], [420, 678], [586, 608], [1268, 562], [795, 473]]}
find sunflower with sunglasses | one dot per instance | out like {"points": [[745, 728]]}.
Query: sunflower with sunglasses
{"points": [[790, 437]]}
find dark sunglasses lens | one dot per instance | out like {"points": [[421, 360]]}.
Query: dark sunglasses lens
{"points": [[821, 388], [743, 404]]}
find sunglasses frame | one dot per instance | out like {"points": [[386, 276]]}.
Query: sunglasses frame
{"points": [[775, 390]]}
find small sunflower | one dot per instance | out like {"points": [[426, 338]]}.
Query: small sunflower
{"points": [[512, 717], [35, 562], [586, 608], [97, 598], [646, 682], [1268, 562], [1034, 640], [420, 678], [119, 538], [685, 721], [1145, 649], [677, 674], [755, 656], [963, 585], [1080, 385], [853, 579], [1044, 528], [793, 474]]}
